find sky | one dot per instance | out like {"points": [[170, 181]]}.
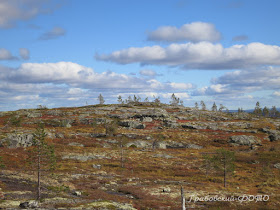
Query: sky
{"points": [[60, 53]]}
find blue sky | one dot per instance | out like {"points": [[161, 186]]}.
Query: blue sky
{"points": [[66, 52]]}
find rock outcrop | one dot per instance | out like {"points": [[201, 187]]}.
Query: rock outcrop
{"points": [[17, 140], [244, 140]]}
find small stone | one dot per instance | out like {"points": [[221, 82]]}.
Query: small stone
{"points": [[96, 166], [277, 165], [77, 193], [166, 190]]}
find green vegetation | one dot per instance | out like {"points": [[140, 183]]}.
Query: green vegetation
{"points": [[104, 155], [2, 165], [41, 156], [223, 161]]}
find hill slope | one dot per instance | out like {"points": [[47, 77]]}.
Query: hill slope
{"points": [[137, 156]]}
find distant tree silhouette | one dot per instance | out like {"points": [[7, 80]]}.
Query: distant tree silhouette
{"points": [[120, 100], [258, 110], [174, 100], [265, 111], [214, 107], [203, 106], [101, 99], [222, 107], [273, 112], [196, 106]]}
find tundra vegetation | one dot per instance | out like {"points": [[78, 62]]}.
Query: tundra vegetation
{"points": [[139, 155]]}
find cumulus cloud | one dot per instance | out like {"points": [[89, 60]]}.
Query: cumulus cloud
{"points": [[54, 33], [55, 83], [243, 82], [194, 32], [6, 55], [24, 53], [78, 76], [276, 93], [265, 78], [202, 55], [12, 11]]}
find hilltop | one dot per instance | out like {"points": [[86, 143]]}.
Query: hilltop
{"points": [[138, 155]]}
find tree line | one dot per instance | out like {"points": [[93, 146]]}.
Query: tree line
{"points": [[176, 101]]}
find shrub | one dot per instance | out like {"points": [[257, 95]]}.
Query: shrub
{"points": [[2, 165]]}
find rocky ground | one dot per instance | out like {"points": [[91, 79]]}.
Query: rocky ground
{"points": [[138, 156]]}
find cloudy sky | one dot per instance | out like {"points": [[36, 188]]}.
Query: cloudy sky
{"points": [[66, 52]]}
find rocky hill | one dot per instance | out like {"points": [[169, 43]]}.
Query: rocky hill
{"points": [[138, 156]]}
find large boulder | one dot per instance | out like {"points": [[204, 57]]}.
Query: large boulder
{"points": [[193, 126], [132, 124], [60, 123], [34, 114], [17, 140], [174, 145], [244, 140], [55, 112], [170, 123], [139, 144], [274, 136], [29, 205]]}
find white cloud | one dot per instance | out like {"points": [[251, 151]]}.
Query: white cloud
{"points": [[54, 33], [181, 86], [75, 91], [194, 32], [24, 53], [55, 83], [242, 82], [148, 72], [12, 11], [6, 55], [202, 55], [276, 93], [79, 76], [265, 78], [179, 95]]}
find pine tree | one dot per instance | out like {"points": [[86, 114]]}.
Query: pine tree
{"points": [[181, 102], [101, 99], [41, 156], [214, 107], [265, 111], [196, 106], [273, 111], [157, 100], [222, 107], [174, 100], [223, 161], [128, 100], [120, 100], [258, 110], [203, 106]]}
